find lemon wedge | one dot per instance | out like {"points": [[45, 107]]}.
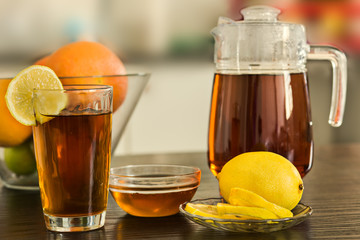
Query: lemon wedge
{"points": [[251, 212], [202, 210], [19, 95], [224, 211], [243, 197]]}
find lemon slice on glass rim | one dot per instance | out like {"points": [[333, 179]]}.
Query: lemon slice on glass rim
{"points": [[19, 95]]}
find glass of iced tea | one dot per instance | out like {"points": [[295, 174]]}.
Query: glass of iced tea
{"points": [[73, 152]]}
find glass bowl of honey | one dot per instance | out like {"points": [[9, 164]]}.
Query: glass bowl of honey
{"points": [[153, 190]]}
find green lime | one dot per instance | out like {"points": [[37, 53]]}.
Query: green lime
{"points": [[20, 159]]}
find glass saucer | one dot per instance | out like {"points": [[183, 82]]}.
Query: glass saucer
{"points": [[301, 212]]}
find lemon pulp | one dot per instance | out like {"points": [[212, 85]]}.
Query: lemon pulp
{"points": [[19, 95]]}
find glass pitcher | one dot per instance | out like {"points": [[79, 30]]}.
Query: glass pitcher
{"points": [[260, 98]]}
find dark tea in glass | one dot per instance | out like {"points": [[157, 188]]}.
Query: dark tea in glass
{"points": [[73, 153], [260, 112]]}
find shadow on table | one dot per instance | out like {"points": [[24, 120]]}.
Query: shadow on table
{"points": [[25, 210], [27, 219], [176, 226], [299, 232], [98, 234]]}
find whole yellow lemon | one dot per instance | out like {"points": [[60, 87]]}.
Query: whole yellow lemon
{"points": [[265, 173]]}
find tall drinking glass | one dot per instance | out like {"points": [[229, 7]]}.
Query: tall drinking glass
{"points": [[73, 152]]}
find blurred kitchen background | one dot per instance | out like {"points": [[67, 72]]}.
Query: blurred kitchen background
{"points": [[171, 39]]}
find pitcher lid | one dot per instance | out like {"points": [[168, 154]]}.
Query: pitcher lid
{"points": [[260, 13], [260, 42]]}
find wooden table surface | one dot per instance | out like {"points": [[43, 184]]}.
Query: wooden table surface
{"points": [[332, 189]]}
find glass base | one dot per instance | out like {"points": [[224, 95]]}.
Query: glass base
{"points": [[74, 224]]}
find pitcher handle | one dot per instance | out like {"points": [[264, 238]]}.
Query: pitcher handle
{"points": [[339, 71]]}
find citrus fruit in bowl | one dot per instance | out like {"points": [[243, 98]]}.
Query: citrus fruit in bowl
{"points": [[76, 63], [261, 192], [17, 162], [17, 158]]}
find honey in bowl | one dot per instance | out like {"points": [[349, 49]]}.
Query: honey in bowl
{"points": [[153, 190]]}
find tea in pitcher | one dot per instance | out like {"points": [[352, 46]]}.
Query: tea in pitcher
{"points": [[73, 156], [260, 112]]}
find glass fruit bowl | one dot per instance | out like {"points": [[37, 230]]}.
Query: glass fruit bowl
{"points": [[301, 212], [153, 190], [17, 159]]}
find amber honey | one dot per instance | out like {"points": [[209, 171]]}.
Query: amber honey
{"points": [[152, 202], [73, 158]]}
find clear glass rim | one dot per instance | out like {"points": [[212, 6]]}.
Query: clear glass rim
{"points": [[140, 74], [192, 171], [77, 87]]}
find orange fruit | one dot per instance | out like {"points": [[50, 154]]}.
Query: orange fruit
{"points": [[12, 132], [85, 58]]}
